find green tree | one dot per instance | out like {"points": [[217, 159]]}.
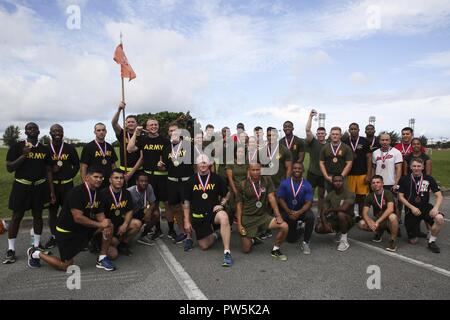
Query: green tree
{"points": [[424, 140], [11, 135], [395, 137], [164, 118]]}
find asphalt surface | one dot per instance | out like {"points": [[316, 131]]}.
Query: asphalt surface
{"points": [[165, 271]]}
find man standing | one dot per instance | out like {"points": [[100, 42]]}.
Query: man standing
{"points": [[119, 209], [359, 178], [337, 212], [31, 163], [293, 143], [255, 198], [382, 203], [373, 142], [153, 148], [405, 146], [82, 215], [336, 158], [98, 153], [179, 169], [65, 166], [134, 159], [295, 197], [205, 199], [277, 158], [314, 146], [414, 193]]}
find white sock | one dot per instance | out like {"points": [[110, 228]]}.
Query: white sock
{"points": [[226, 251], [432, 238], [101, 257], [37, 240], [35, 254], [275, 248], [344, 237], [12, 244]]}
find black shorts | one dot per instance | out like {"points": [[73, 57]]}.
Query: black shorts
{"points": [[203, 227], [425, 216], [315, 180], [71, 243], [159, 185], [61, 192], [24, 197], [175, 192]]}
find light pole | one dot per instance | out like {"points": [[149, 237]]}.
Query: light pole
{"points": [[412, 122], [322, 120], [372, 120]]}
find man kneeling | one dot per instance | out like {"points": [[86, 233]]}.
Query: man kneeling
{"points": [[382, 202], [81, 216]]}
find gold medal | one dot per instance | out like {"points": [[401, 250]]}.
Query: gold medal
{"points": [[176, 163], [104, 162], [59, 163], [335, 159], [117, 213], [205, 196], [243, 232]]}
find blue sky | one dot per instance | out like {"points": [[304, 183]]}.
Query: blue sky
{"points": [[257, 62]]}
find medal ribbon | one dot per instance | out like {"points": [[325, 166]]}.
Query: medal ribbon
{"points": [[101, 150], [407, 149], [145, 196], [175, 156], [380, 204], [60, 150], [204, 186], [258, 195], [354, 147], [117, 203], [337, 149], [91, 200], [289, 145], [271, 155], [418, 185], [295, 193], [384, 156], [250, 159]]}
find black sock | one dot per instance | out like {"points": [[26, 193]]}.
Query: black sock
{"points": [[170, 226], [158, 226]]}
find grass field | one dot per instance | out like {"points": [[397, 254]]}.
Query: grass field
{"points": [[441, 171]]}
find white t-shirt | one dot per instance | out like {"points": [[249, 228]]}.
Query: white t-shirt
{"points": [[391, 159]]}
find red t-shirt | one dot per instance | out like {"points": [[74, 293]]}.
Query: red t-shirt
{"points": [[407, 148]]}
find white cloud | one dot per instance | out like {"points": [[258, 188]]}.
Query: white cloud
{"points": [[359, 78], [434, 60]]}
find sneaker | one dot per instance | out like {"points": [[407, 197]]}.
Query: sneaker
{"points": [[377, 237], [257, 240], [124, 249], [51, 243], [433, 247], [413, 240], [32, 262], [227, 260], [305, 248], [277, 254], [180, 238], [188, 244], [10, 257], [262, 236], [146, 240], [171, 235], [156, 235], [343, 245], [106, 264], [392, 246], [357, 219], [269, 234], [42, 249]]}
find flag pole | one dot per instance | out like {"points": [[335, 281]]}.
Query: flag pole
{"points": [[124, 124]]}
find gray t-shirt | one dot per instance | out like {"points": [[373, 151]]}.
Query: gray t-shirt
{"points": [[139, 197]]}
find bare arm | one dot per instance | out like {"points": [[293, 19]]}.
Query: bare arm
{"points": [[389, 210], [80, 218], [231, 181], [50, 183], [398, 172], [405, 168], [309, 134], [115, 120], [12, 166], [428, 167], [347, 168], [288, 165], [324, 170], [131, 146], [274, 205], [282, 203], [301, 156], [83, 171]]}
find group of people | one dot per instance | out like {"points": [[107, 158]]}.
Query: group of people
{"points": [[210, 184]]}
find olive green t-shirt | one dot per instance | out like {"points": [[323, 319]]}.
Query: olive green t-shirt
{"points": [[370, 202], [314, 148], [239, 172], [246, 195], [334, 200], [344, 153], [282, 155], [297, 145]]}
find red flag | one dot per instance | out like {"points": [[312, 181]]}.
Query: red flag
{"points": [[125, 69]]}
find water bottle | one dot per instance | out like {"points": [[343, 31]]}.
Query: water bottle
{"points": [[32, 236]]}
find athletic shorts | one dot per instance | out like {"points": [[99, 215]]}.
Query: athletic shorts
{"points": [[315, 180], [159, 185], [256, 225], [175, 192], [71, 243], [203, 227], [358, 185], [425, 216], [61, 192], [24, 197], [333, 220]]}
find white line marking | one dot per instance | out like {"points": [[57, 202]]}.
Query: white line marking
{"points": [[448, 220], [405, 259], [184, 280]]}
